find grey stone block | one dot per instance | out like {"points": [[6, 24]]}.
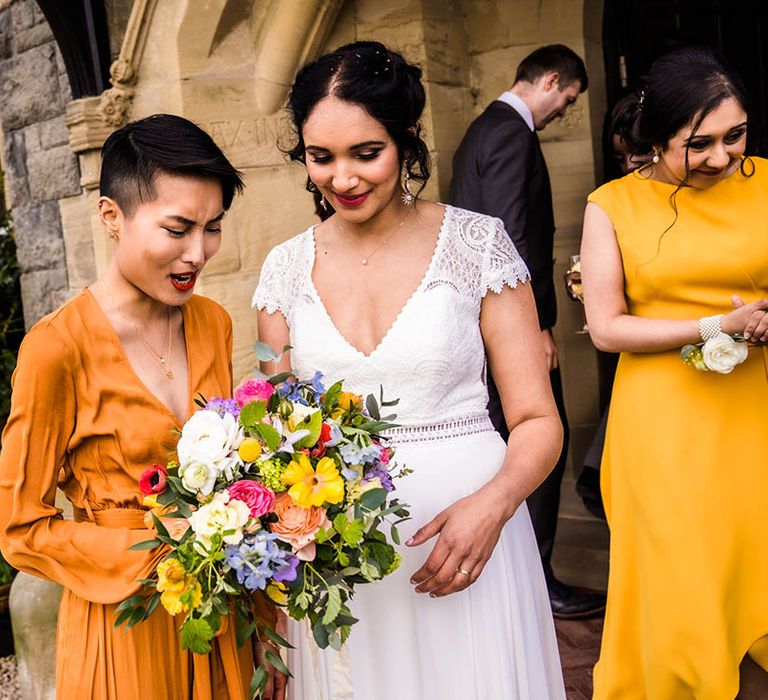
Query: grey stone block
{"points": [[29, 38], [22, 15], [29, 88], [34, 604], [53, 132], [15, 154], [53, 173], [37, 290], [39, 239], [5, 33]]}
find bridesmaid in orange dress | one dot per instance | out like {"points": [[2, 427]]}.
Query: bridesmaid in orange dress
{"points": [[101, 383]]}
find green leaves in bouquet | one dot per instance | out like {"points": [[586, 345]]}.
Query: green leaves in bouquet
{"points": [[314, 424], [266, 353], [196, 635]]}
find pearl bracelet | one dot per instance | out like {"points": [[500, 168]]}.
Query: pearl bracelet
{"points": [[709, 327]]}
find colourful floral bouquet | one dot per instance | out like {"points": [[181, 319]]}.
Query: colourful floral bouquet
{"points": [[282, 491]]}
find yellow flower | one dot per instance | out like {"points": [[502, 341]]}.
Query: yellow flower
{"points": [[150, 501], [189, 598], [347, 399], [171, 576], [310, 487], [277, 592], [249, 450]]}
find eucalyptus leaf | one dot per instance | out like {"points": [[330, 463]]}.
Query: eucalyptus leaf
{"points": [[258, 682], [276, 638], [277, 662], [373, 499], [372, 406], [320, 633], [146, 544], [264, 352]]}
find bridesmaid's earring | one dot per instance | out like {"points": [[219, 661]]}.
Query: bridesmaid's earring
{"points": [[323, 202], [656, 154]]}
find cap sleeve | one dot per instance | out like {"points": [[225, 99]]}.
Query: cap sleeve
{"points": [[604, 197], [502, 264], [282, 274]]}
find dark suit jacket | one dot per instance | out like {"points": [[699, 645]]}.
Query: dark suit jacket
{"points": [[499, 170]]}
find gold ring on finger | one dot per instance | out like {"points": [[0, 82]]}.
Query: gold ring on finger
{"points": [[461, 571]]}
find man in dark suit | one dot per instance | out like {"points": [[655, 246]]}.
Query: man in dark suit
{"points": [[499, 169]]}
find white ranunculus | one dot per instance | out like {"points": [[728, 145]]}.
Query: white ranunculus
{"points": [[198, 477], [220, 515], [722, 353], [208, 437]]}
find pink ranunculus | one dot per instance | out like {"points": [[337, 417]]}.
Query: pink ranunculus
{"points": [[384, 456], [256, 496], [253, 390]]}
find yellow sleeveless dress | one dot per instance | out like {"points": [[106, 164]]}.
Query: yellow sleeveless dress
{"points": [[684, 474]]}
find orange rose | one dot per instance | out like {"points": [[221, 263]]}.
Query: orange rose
{"points": [[297, 526], [347, 399]]}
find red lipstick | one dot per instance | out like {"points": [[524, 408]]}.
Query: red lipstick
{"points": [[351, 200], [184, 282]]}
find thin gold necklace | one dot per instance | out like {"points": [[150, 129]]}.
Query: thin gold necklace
{"points": [[164, 360], [364, 260]]}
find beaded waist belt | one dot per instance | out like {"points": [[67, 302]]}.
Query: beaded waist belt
{"points": [[439, 432]]}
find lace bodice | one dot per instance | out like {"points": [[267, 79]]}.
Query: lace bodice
{"points": [[432, 358]]}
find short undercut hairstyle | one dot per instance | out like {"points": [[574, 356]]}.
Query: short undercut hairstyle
{"points": [[134, 155], [555, 58]]}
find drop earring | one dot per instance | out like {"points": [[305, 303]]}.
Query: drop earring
{"points": [[323, 202], [408, 196], [656, 154]]}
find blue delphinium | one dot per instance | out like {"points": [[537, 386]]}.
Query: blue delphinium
{"points": [[224, 406], [258, 558], [353, 453]]}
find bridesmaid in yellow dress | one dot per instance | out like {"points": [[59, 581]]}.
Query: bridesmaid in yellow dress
{"points": [[100, 384], [672, 254]]}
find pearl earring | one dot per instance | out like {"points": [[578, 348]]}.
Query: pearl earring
{"points": [[656, 154], [408, 196]]}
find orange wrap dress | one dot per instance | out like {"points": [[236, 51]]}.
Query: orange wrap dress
{"points": [[684, 478], [82, 420]]}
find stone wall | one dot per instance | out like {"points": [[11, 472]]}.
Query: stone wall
{"points": [[500, 34], [228, 68], [39, 165]]}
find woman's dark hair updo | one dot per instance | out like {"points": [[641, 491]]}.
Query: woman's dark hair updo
{"points": [[683, 87], [368, 74]]}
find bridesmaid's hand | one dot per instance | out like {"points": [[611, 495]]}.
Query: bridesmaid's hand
{"points": [[278, 682], [468, 532], [749, 320]]}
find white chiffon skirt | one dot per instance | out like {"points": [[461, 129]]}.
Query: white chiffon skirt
{"points": [[492, 641]]}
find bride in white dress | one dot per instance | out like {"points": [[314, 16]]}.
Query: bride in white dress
{"points": [[411, 295]]}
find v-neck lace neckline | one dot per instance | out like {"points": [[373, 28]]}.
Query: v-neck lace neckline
{"points": [[124, 357], [403, 308]]}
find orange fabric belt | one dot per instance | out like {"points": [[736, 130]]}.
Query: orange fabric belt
{"points": [[132, 518]]}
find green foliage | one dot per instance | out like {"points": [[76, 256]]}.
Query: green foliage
{"points": [[11, 318], [7, 572], [196, 635]]}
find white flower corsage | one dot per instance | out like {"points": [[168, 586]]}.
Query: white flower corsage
{"points": [[719, 354]]}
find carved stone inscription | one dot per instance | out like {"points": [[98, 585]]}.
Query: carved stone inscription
{"points": [[251, 142]]}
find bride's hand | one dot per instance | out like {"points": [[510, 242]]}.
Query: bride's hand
{"points": [[468, 532]]}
